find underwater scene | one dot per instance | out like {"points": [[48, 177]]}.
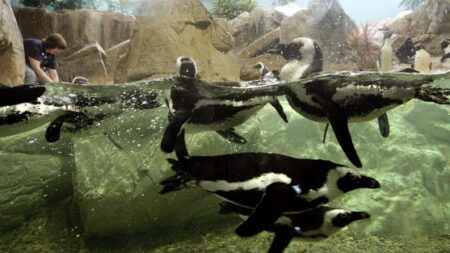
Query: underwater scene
{"points": [[247, 126]]}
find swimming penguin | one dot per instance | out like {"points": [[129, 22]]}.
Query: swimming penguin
{"points": [[343, 97], [312, 225], [271, 184], [199, 106], [445, 59], [13, 95], [384, 62], [422, 59]]}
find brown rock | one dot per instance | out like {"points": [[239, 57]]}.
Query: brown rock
{"points": [[324, 21], [12, 59], [113, 55], [88, 62], [248, 27], [168, 29]]}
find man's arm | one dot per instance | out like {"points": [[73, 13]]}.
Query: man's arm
{"points": [[54, 75], [36, 66]]}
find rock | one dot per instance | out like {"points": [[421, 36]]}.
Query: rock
{"points": [[78, 27], [324, 21], [113, 55], [248, 27], [33, 175], [12, 59], [426, 25], [225, 24], [88, 62], [161, 38]]}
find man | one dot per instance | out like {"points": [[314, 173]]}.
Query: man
{"points": [[40, 57]]}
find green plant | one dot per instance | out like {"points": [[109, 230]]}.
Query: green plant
{"points": [[230, 9], [364, 52], [411, 4]]}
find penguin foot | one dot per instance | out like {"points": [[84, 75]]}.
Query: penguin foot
{"points": [[433, 94]]}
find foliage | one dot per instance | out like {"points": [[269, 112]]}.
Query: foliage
{"points": [[230, 9], [282, 2], [364, 52], [411, 4]]}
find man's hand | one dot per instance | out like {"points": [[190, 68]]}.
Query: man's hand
{"points": [[36, 66]]}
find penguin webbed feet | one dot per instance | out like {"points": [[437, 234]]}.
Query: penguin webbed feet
{"points": [[177, 181], [433, 94], [232, 136]]}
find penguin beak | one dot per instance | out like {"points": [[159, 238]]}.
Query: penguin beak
{"points": [[368, 182], [346, 218]]}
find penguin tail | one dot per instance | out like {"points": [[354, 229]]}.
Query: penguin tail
{"points": [[433, 94], [177, 181]]}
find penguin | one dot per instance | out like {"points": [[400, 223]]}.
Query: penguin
{"points": [[445, 59], [81, 107], [422, 59], [266, 72], [313, 225], [406, 52], [343, 97], [271, 184], [13, 95], [384, 62], [199, 106], [80, 80]]}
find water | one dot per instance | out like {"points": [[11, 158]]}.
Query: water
{"points": [[97, 190]]}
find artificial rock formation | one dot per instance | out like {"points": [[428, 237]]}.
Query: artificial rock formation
{"points": [[167, 29], [89, 62], [324, 21], [248, 27], [12, 59], [429, 24]]}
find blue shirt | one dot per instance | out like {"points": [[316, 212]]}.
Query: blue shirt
{"points": [[34, 49]]}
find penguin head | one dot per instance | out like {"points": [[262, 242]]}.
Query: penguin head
{"points": [[445, 43], [259, 66], [186, 67], [80, 80], [419, 47], [349, 180], [340, 218]]}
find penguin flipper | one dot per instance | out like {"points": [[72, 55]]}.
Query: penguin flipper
{"points": [[172, 131], [232, 136], [339, 123], [269, 209], [53, 132], [281, 241], [276, 104], [228, 207], [325, 133], [12, 95], [383, 124]]}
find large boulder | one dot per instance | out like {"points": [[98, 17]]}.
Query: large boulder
{"points": [[12, 59], [429, 24], [89, 62], [113, 55], [78, 27], [248, 27], [324, 21], [167, 29]]}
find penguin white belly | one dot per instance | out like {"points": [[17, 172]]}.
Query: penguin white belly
{"points": [[257, 183], [422, 61], [235, 120]]}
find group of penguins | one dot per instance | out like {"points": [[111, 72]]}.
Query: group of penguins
{"points": [[274, 192]]}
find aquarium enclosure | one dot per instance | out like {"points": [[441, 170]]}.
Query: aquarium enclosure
{"points": [[217, 126]]}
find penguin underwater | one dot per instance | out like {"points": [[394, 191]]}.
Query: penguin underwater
{"points": [[343, 97], [199, 106], [80, 107], [272, 184], [445, 59], [312, 225]]}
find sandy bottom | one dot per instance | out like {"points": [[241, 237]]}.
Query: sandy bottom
{"points": [[44, 234]]}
